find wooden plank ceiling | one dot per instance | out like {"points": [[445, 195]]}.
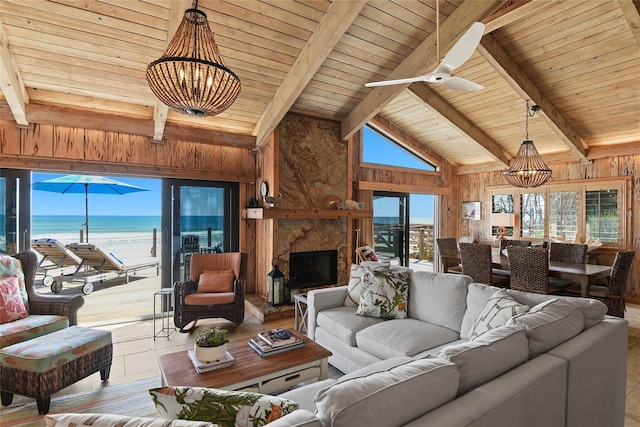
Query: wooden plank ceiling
{"points": [[82, 63]]}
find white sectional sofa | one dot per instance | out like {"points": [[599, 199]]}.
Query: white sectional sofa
{"points": [[560, 362], [564, 365]]}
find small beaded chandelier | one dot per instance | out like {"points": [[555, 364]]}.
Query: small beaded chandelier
{"points": [[190, 77], [528, 169]]}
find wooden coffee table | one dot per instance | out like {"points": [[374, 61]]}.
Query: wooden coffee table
{"points": [[249, 371]]}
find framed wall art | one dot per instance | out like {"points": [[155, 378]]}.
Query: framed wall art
{"points": [[471, 210]]}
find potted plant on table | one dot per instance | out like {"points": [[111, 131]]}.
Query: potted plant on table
{"points": [[211, 344]]}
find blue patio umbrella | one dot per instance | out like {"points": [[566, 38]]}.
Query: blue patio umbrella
{"points": [[86, 184]]}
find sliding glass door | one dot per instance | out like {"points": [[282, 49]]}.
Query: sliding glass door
{"points": [[197, 217], [391, 225]]}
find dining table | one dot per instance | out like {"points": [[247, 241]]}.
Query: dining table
{"points": [[584, 274]]}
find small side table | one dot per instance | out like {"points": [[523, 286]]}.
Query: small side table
{"points": [[301, 310], [166, 330]]}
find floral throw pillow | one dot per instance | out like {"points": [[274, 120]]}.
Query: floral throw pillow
{"points": [[11, 303], [384, 293], [226, 408], [10, 266]]}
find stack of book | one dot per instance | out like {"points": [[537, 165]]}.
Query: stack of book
{"points": [[274, 341], [201, 366]]}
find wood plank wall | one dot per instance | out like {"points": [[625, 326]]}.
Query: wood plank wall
{"points": [[66, 149], [475, 187]]}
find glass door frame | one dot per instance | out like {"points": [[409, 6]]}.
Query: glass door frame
{"points": [[171, 233], [403, 201]]}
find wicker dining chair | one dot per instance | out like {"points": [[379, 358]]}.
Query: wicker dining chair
{"points": [[504, 243], [567, 252], [476, 262], [612, 294], [530, 270], [449, 246]]}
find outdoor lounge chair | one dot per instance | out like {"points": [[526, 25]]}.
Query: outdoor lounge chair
{"points": [[56, 260], [96, 264]]}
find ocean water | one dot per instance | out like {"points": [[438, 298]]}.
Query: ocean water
{"points": [[127, 237]]}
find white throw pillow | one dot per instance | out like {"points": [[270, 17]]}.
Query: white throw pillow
{"points": [[76, 420], [496, 312], [355, 280], [384, 293]]}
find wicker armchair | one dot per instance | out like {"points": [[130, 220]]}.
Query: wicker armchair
{"points": [[191, 305], [59, 305], [612, 294], [567, 252], [448, 246], [476, 262], [530, 270]]}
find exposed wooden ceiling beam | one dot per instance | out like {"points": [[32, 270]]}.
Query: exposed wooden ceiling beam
{"points": [[422, 60], [160, 110], [71, 117], [460, 122], [631, 11], [498, 58], [330, 30], [512, 11], [10, 81]]}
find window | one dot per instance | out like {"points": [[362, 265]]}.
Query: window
{"points": [[376, 148], [532, 215], [602, 215], [569, 211], [563, 215]]}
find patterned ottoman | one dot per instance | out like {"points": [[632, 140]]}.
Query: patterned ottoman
{"points": [[45, 365]]}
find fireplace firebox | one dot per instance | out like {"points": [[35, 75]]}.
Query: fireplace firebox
{"points": [[313, 269]]}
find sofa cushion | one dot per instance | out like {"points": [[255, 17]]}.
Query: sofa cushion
{"points": [[402, 337], [343, 323], [549, 324], [477, 295], [11, 302], [438, 298], [30, 327], [227, 408], [72, 420], [373, 399], [491, 355], [592, 309], [384, 294], [495, 313]]}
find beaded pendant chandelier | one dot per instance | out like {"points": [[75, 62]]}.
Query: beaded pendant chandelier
{"points": [[190, 77], [527, 169]]}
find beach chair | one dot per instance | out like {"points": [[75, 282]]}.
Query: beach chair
{"points": [[98, 265], [56, 261]]}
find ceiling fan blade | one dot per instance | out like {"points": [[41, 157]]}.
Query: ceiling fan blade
{"points": [[398, 82], [458, 83], [464, 48]]}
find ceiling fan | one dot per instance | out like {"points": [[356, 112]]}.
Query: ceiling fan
{"points": [[457, 56]]}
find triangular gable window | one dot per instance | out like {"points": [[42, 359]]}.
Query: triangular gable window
{"points": [[379, 149]]}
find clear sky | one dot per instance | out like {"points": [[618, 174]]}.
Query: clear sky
{"points": [[139, 203], [377, 150]]}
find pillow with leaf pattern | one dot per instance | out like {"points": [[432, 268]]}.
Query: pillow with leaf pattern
{"points": [[226, 408], [383, 293]]}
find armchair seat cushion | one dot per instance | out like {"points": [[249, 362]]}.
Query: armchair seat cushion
{"points": [[209, 298], [30, 327]]}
